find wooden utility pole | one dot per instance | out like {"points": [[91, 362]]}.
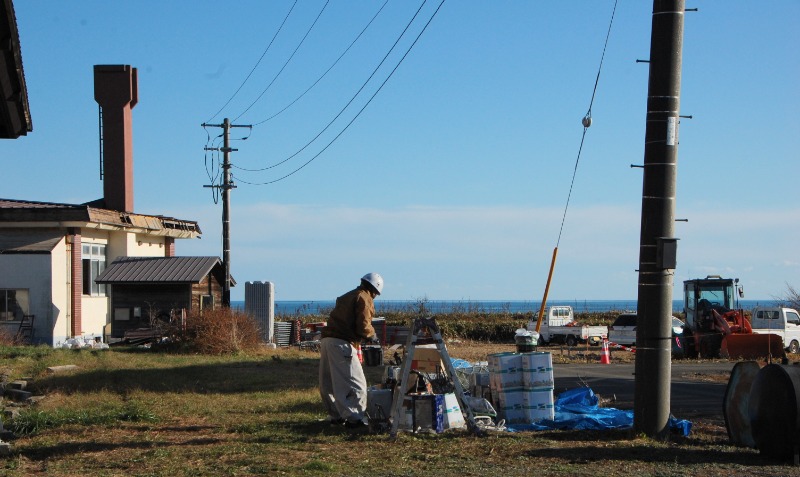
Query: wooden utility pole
{"points": [[657, 249], [226, 186]]}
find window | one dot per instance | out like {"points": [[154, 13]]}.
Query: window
{"points": [[717, 295], [13, 304], [560, 312], [767, 315], [792, 318], [206, 302], [94, 262]]}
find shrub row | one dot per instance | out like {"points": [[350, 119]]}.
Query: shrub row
{"points": [[477, 326]]}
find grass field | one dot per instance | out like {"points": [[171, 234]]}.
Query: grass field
{"points": [[138, 412]]}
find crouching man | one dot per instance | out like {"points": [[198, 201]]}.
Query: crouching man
{"points": [[342, 384]]}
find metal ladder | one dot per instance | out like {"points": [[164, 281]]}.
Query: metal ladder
{"points": [[426, 331]]}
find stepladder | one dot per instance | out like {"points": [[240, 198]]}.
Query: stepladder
{"points": [[425, 331]]}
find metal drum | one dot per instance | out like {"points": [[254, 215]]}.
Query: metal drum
{"points": [[774, 413]]}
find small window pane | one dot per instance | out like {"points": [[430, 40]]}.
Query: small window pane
{"points": [[87, 276], [95, 272]]}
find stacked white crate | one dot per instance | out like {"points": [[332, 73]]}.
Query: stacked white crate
{"points": [[537, 372], [522, 386], [506, 383]]}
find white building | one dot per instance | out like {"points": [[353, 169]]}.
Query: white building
{"points": [[51, 253]]}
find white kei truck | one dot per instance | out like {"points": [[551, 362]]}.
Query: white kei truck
{"points": [[559, 326], [784, 322]]}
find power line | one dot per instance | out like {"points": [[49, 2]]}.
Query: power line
{"points": [[212, 176], [256, 65], [286, 63], [329, 68], [347, 105], [360, 111], [587, 121]]}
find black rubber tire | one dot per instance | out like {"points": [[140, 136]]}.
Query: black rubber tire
{"points": [[571, 341], [794, 347]]}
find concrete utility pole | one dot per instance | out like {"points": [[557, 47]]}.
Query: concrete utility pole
{"points": [[226, 186], [657, 250]]}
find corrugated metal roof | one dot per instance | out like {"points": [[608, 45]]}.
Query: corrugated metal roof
{"points": [[158, 270]]}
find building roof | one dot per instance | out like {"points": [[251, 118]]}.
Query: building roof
{"points": [[142, 270], [27, 241], [15, 116], [19, 213]]}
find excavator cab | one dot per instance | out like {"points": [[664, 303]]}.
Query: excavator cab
{"points": [[703, 295], [715, 326]]}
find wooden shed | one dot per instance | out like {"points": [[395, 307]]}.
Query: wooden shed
{"points": [[148, 288]]}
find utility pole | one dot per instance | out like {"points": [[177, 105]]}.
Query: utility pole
{"points": [[226, 186], [657, 249]]}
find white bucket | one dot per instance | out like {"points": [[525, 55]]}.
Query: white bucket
{"points": [[537, 371], [511, 405], [505, 370], [504, 362], [538, 405]]}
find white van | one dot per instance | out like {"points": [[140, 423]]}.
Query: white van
{"points": [[623, 330], [784, 322]]}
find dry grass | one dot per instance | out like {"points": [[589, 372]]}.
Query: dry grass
{"points": [[143, 413]]}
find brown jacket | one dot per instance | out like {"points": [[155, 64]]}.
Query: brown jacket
{"points": [[351, 318]]}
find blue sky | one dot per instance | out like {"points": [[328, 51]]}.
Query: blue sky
{"points": [[452, 182]]}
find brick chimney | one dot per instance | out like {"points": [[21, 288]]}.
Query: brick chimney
{"points": [[116, 90]]}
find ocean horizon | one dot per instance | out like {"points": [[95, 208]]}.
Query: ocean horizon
{"points": [[323, 307]]}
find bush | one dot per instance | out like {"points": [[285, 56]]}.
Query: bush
{"points": [[217, 331], [222, 331], [472, 324]]}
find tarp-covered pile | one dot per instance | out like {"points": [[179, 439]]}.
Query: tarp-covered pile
{"points": [[577, 409]]}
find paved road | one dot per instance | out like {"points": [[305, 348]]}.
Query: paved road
{"points": [[693, 394]]}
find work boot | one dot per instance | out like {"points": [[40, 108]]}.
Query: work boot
{"points": [[356, 424]]}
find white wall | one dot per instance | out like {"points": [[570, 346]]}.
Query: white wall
{"points": [[123, 244], [47, 278], [30, 272], [60, 313], [95, 309]]}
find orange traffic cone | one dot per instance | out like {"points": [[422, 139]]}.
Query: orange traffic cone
{"points": [[605, 356]]}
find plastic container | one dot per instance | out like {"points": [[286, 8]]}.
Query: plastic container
{"points": [[525, 340]]}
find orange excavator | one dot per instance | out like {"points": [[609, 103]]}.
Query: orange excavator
{"points": [[717, 327]]}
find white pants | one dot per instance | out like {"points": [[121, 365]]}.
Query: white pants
{"points": [[342, 384]]}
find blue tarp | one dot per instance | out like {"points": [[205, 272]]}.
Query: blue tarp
{"points": [[576, 409]]}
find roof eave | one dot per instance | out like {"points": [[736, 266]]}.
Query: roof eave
{"points": [[15, 116]]}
